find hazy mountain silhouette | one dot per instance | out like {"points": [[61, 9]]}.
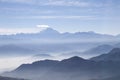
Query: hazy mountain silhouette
{"points": [[113, 55], [51, 41], [38, 70], [43, 56], [50, 33], [8, 78], [74, 68], [110, 78], [117, 45], [101, 49], [94, 51], [14, 50]]}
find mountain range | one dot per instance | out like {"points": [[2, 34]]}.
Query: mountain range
{"points": [[13, 49], [94, 51], [98, 50], [51, 41], [8, 78], [74, 68], [114, 55], [51, 50], [55, 36]]}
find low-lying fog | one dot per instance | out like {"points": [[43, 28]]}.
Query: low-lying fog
{"points": [[10, 63]]}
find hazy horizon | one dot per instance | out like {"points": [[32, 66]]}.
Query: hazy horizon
{"points": [[101, 16], [35, 30], [32, 31]]}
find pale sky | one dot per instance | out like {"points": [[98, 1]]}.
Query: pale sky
{"points": [[101, 16]]}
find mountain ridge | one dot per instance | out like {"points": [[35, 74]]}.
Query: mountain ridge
{"points": [[113, 55], [8, 78], [51, 30], [85, 69]]}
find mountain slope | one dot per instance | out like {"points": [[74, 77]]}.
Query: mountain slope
{"points": [[110, 78], [74, 68], [54, 35], [8, 78], [98, 50], [49, 31], [14, 50], [113, 55]]}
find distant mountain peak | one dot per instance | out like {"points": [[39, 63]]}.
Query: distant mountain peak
{"points": [[49, 31], [74, 59]]}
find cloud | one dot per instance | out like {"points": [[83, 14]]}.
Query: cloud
{"points": [[67, 3], [18, 1], [42, 26], [52, 2], [73, 3], [56, 17], [7, 31]]}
